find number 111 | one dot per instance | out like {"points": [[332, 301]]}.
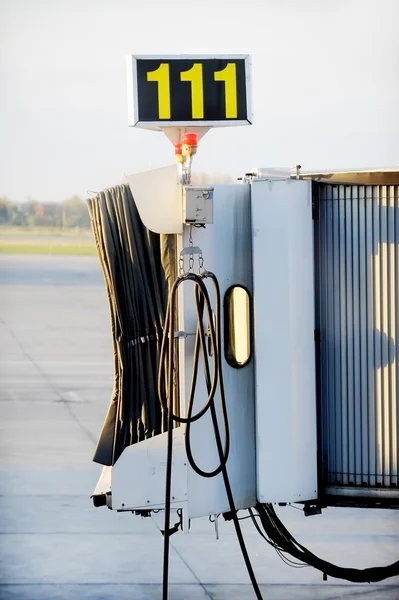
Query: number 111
{"points": [[195, 76]]}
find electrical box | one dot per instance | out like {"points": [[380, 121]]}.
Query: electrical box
{"points": [[198, 204]]}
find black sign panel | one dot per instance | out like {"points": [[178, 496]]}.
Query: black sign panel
{"points": [[204, 91]]}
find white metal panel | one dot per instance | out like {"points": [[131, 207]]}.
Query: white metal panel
{"points": [[132, 102], [139, 474], [286, 430], [226, 247], [104, 483], [158, 198]]}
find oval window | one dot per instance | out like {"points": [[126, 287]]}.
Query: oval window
{"points": [[237, 326]]}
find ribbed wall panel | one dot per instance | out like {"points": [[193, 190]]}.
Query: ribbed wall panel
{"points": [[357, 306]]}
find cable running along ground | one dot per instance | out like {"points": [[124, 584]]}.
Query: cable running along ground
{"points": [[278, 536]]}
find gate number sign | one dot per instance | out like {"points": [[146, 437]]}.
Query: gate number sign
{"points": [[188, 91]]}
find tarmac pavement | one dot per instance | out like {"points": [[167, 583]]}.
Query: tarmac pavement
{"points": [[55, 384]]}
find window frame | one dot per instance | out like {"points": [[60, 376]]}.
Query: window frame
{"points": [[228, 349]]}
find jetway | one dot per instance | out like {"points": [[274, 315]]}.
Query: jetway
{"points": [[283, 449], [259, 244], [254, 323]]}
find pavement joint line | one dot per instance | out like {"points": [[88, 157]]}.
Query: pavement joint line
{"points": [[186, 564], [192, 571], [332, 586], [197, 534], [50, 495], [41, 402], [20, 346], [79, 533], [65, 403]]}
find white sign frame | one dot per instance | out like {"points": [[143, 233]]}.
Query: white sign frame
{"points": [[132, 92]]}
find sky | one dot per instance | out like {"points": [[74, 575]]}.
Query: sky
{"points": [[325, 87]]}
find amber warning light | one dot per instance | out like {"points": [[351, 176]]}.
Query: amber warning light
{"points": [[178, 153], [184, 152], [189, 144]]}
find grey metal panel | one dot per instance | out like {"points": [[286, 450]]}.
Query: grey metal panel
{"points": [[357, 313], [227, 250]]}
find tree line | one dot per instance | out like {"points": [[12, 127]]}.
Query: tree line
{"points": [[69, 213]]}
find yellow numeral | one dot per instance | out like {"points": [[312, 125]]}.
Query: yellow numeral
{"points": [[161, 77], [229, 76], [194, 75]]}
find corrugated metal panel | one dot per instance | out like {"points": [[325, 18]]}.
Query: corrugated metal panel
{"points": [[357, 289]]}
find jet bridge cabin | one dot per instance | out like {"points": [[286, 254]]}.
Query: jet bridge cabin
{"points": [[308, 274]]}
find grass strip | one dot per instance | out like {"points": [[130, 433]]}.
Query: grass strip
{"points": [[66, 249]]}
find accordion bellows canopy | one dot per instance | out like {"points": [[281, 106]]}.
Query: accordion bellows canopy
{"points": [[138, 267]]}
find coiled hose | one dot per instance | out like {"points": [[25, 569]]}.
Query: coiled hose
{"points": [[214, 381]]}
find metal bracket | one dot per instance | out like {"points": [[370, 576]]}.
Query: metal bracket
{"points": [[182, 335], [217, 526], [191, 250]]}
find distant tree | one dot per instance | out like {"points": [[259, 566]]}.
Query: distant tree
{"points": [[6, 210], [28, 209], [75, 212], [72, 212], [52, 215], [18, 217]]}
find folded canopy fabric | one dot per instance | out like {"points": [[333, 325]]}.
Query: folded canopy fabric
{"points": [[139, 266]]}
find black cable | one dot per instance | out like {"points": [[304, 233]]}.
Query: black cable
{"points": [[168, 485], [226, 480], [287, 561], [216, 343], [285, 542], [166, 395], [169, 328]]}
